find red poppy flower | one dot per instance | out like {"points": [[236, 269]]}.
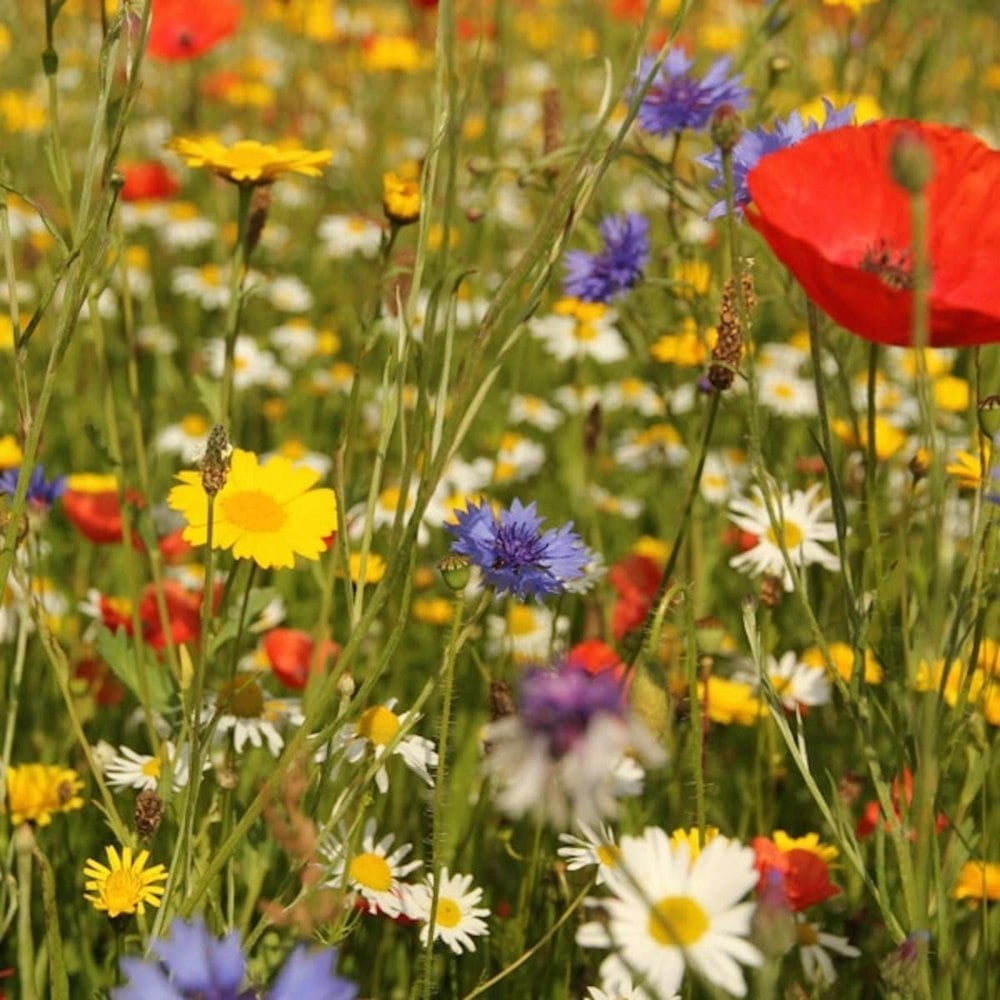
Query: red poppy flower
{"points": [[183, 613], [174, 550], [805, 877], [289, 651], [101, 681], [873, 811], [596, 657], [149, 181], [635, 579], [832, 213], [97, 516], [186, 29]]}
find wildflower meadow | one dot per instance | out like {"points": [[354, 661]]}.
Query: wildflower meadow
{"points": [[499, 498]]}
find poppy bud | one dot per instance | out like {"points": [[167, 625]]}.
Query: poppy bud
{"points": [[725, 127], [911, 162], [455, 571]]}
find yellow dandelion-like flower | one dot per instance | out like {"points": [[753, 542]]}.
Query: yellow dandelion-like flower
{"points": [[967, 468], [854, 6], [11, 455], [36, 791], [400, 198], [248, 161], [978, 880], [125, 884], [268, 513], [889, 439], [692, 837]]}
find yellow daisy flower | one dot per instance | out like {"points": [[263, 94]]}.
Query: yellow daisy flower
{"points": [[126, 886], [36, 791], [268, 513], [248, 161], [810, 842], [400, 198], [978, 880], [692, 837]]}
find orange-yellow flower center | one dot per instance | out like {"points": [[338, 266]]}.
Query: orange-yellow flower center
{"points": [[791, 533], [151, 769], [253, 510], [807, 935], [378, 724], [677, 921], [449, 913], [122, 890], [372, 871], [608, 855]]}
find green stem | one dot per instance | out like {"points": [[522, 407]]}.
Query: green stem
{"points": [[24, 845], [237, 275]]}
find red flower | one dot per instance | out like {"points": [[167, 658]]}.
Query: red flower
{"points": [[596, 657], [183, 614], [873, 811], [101, 681], [97, 516], [635, 579], [832, 213], [805, 877], [186, 29], [149, 181], [289, 651]]}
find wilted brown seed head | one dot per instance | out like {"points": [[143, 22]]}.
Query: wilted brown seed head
{"points": [[771, 590], [148, 812], [215, 464]]}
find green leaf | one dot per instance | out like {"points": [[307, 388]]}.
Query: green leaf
{"points": [[118, 651]]}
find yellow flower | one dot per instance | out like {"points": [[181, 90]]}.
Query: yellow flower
{"points": [[729, 701], [6, 333], [854, 6], [685, 348], [400, 198], [889, 439], [951, 394], [36, 791], [374, 567], [967, 468], [11, 455], [268, 513], [432, 610], [978, 880], [692, 278], [249, 161], [392, 52], [810, 842], [843, 661], [866, 108], [126, 886], [20, 112], [692, 838]]}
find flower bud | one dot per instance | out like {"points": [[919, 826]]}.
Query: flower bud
{"points": [[455, 571], [911, 163], [725, 127]]}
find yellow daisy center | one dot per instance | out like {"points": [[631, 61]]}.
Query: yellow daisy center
{"points": [[608, 855], [791, 533], [586, 331], [253, 510], [807, 935], [371, 871], [151, 769], [449, 913], [378, 724], [194, 425], [520, 620], [677, 921]]}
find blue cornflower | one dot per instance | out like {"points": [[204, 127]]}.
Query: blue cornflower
{"points": [[598, 277], [678, 100], [514, 554], [760, 141], [193, 965], [41, 494]]}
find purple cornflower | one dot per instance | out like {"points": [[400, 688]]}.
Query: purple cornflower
{"points": [[194, 965], [678, 100], [571, 750], [760, 141], [560, 704], [41, 494], [514, 554], [598, 277]]}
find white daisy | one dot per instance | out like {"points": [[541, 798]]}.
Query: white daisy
{"points": [[580, 330], [527, 632], [296, 341], [802, 519], [535, 411], [208, 284], [611, 503], [798, 683], [786, 394], [344, 235], [577, 398], [813, 944], [186, 438], [376, 733], [243, 709], [129, 769], [724, 473], [658, 444], [617, 984], [517, 458], [183, 228], [457, 918], [635, 394], [289, 294], [252, 366], [592, 850], [375, 872], [667, 913]]}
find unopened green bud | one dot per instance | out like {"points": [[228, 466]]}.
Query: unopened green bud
{"points": [[726, 127], [911, 162], [455, 571]]}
